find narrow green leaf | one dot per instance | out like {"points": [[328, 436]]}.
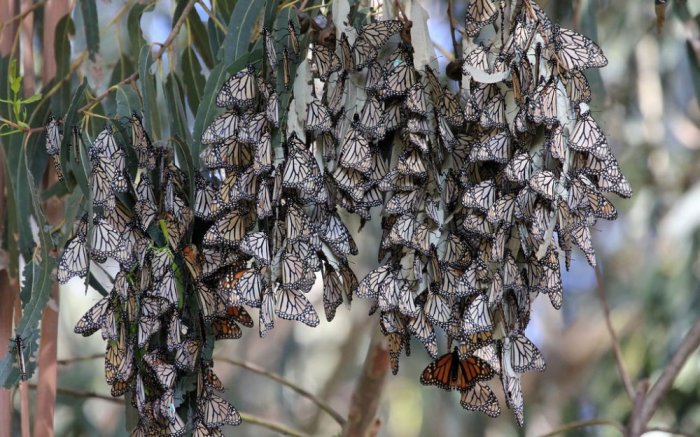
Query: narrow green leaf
{"points": [[240, 30], [198, 33], [225, 9], [69, 121], [215, 36], [123, 69], [207, 109], [151, 113], [127, 101], [133, 25], [92, 26], [192, 77], [65, 29]]}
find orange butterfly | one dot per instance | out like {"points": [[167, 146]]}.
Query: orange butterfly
{"points": [[450, 372]]}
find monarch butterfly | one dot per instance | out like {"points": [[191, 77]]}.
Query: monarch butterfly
{"points": [[493, 145], [239, 90], [371, 38], [206, 201], [228, 229], [300, 166], [324, 62], [202, 431], [74, 259], [186, 354], [449, 372], [437, 309], [215, 411], [164, 372], [376, 76], [317, 118], [514, 395], [294, 273], [542, 107], [223, 127], [545, 183], [372, 119], [519, 167], [237, 187], [480, 196], [577, 87], [356, 152], [493, 114], [333, 290], [292, 305], [210, 303], [399, 78], [267, 312], [479, 14], [256, 244], [270, 52], [476, 316], [250, 287], [411, 164], [574, 51], [19, 346], [376, 281], [337, 95], [286, 75], [293, 38], [588, 137], [231, 154], [450, 109], [478, 58], [422, 329], [252, 127], [480, 398]]}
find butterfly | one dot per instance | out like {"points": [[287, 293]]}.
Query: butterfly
{"points": [[318, 119], [324, 62], [371, 38], [74, 259], [270, 52], [574, 51], [480, 398], [421, 328], [216, 411], [293, 37], [229, 229], [356, 152], [239, 90], [224, 126], [449, 372], [479, 14], [164, 372], [19, 346]]}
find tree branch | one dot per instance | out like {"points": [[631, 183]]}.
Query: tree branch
{"points": [[658, 391], [282, 429], [278, 378], [362, 419], [627, 382]]}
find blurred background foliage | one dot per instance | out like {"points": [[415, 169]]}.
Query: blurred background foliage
{"points": [[647, 101]]}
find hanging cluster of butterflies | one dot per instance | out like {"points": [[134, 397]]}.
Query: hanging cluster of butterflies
{"points": [[481, 188], [160, 318]]}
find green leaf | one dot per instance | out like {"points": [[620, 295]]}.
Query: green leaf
{"points": [[127, 101], [192, 77], [198, 33], [123, 69], [65, 29], [70, 120], [92, 26], [240, 30], [151, 113], [207, 109], [215, 36], [133, 25]]}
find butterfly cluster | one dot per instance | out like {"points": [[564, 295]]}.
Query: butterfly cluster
{"points": [[160, 316], [483, 187]]}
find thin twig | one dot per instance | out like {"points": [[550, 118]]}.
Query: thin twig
{"points": [[282, 429], [627, 382], [584, 424], [278, 378], [67, 361], [13, 125], [82, 394], [168, 41], [212, 16], [658, 391], [23, 14]]}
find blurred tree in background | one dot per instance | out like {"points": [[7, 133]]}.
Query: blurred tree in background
{"points": [[647, 100]]}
